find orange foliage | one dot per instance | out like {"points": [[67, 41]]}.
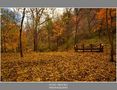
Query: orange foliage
{"points": [[101, 15], [58, 28]]}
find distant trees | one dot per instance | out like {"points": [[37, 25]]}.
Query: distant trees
{"points": [[77, 21], [49, 27], [107, 17], [46, 30], [58, 33], [9, 31], [68, 26], [36, 16]]}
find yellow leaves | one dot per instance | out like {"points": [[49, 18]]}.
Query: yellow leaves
{"points": [[57, 66], [58, 28], [10, 36]]}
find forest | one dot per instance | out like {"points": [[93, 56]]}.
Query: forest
{"points": [[58, 44]]}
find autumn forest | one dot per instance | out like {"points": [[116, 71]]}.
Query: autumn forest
{"points": [[58, 44]]}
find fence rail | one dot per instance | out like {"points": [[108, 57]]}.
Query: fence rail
{"points": [[90, 48]]}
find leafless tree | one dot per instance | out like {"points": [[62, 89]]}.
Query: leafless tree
{"points": [[20, 36]]}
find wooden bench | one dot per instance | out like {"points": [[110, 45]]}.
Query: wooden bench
{"points": [[90, 48]]}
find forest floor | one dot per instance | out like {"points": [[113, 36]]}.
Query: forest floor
{"points": [[57, 66]]}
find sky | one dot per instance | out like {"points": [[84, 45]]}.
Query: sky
{"points": [[57, 12]]}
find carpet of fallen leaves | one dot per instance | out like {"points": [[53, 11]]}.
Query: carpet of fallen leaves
{"points": [[57, 66]]}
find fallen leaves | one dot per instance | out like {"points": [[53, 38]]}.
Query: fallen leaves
{"points": [[57, 66]]}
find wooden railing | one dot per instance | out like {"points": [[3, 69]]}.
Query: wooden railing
{"points": [[90, 48]]}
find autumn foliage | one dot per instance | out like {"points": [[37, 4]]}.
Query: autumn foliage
{"points": [[47, 36], [59, 66]]}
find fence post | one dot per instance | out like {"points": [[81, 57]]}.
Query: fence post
{"points": [[83, 47], [91, 47], [101, 48], [75, 47]]}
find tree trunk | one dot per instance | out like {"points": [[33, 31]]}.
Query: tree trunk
{"points": [[76, 29], [112, 48], [109, 35], [20, 38], [100, 31], [35, 32], [35, 40], [77, 24], [49, 41], [68, 29], [57, 43]]}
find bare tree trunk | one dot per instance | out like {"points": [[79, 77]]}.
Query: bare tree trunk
{"points": [[36, 15], [78, 18], [100, 31], [112, 48], [57, 43], [35, 41], [68, 27], [35, 32], [109, 34], [49, 41], [76, 29], [20, 38]]}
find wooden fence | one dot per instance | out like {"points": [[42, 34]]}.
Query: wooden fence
{"points": [[90, 48]]}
